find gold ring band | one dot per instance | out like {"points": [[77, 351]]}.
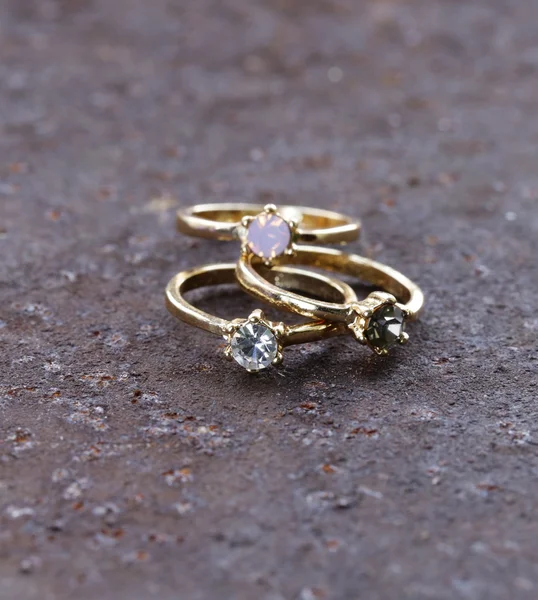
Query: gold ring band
{"points": [[374, 321], [225, 221], [272, 337]]}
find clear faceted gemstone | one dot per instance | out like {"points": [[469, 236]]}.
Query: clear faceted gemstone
{"points": [[254, 346], [268, 236], [385, 326]]}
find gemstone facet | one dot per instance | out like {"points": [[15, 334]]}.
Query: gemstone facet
{"points": [[268, 236], [385, 327], [254, 346]]}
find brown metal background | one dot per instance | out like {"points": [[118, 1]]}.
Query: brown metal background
{"points": [[134, 461]]}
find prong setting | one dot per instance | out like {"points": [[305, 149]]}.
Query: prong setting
{"points": [[403, 338], [268, 235], [246, 221], [379, 322], [256, 315], [279, 359], [255, 343]]}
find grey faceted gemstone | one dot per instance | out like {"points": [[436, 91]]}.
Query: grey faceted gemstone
{"points": [[254, 346], [385, 327]]}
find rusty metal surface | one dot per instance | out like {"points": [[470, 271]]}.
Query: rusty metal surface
{"points": [[134, 461]]}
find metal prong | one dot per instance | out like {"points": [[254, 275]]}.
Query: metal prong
{"points": [[358, 332], [279, 359], [230, 329], [382, 298], [270, 208], [360, 338], [228, 353], [247, 220], [381, 351], [280, 330], [404, 338], [256, 315], [355, 307]]}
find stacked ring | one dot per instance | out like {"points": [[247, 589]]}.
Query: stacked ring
{"points": [[271, 240], [256, 342], [378, 321], [266, 231]]}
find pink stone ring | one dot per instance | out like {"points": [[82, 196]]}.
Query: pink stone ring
{"points": [[268, 232]]}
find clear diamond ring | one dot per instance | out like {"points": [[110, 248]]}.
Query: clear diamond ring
{"points": [[255, 342]]}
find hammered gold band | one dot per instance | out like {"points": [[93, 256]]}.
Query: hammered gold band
{"points": [[223, 221], [286, 278]]}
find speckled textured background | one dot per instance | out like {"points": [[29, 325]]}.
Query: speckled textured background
{"points": [[134, 461]]}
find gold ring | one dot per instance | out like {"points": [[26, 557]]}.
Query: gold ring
{"points": [[256, 342], [267, 231], [378, 321]]}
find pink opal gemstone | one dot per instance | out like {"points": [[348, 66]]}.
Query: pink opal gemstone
{"points": [[268, 236]]}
